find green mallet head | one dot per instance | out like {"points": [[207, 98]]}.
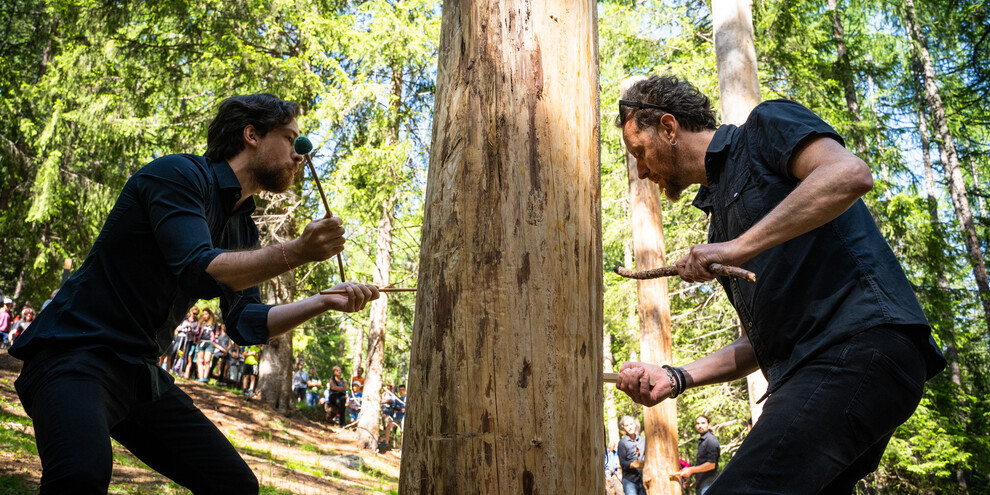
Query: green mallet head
{"points": [[302, 145]]}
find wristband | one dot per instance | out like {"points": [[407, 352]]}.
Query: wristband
{"points": [[672, 378]]}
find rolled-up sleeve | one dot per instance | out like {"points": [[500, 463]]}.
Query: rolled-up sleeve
{"points": [[174, 194], [245, 316]]}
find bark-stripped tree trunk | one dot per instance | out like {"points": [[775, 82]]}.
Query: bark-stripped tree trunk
{"points": [[950, 160], [371, 404], [505, 383], [843, 70], [739, 92], [660, 425]]}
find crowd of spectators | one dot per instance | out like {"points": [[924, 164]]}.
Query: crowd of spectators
{"points": [[12, 323], [201, 351]]}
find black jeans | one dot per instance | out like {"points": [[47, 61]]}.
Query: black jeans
{"points": [[80, 399], [828, 425]]}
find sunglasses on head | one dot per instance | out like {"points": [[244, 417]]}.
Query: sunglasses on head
{"points": [[636, 104]]}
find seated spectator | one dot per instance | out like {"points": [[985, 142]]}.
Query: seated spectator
{"points": [[359, 379], [354, 403]]}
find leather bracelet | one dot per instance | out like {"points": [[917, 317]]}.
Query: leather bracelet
{"points": [[681, 379], [284, 257]]}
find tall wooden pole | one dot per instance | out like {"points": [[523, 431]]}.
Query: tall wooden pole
{"points": [[506, 362], [739, 92], [653, 304]]}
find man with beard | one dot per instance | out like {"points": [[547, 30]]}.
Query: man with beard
{"points": [[180, 231], [706, 462], [831, 321]]}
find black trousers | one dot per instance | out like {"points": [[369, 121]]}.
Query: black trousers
{"points": [[828, 425], [79, 400]]}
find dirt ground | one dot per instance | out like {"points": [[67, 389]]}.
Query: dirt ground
{"points": [[289, 455]]}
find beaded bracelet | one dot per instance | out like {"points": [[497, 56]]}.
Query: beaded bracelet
{"points": [[672, 378]]}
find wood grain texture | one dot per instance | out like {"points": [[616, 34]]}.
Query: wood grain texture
{"points": [[505, 379]]}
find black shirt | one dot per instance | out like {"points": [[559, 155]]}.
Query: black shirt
{"points": [[627, 455], [148, 267], [708, 451], [819, 288]]}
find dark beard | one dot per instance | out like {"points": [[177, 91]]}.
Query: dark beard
{"points": [[272, 178]]}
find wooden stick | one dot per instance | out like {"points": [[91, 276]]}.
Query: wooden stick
{"points": [[326, 206], [614, 377], [380, 289], [669, 271]]}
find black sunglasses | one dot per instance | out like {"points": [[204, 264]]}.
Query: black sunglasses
{"points": [[636, 104]]}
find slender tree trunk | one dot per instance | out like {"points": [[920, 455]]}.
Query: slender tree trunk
{"points": [[506, 376], [371, 403], [944, 314], [844, 73], [660, 425], [739, 90], [950, 160]]}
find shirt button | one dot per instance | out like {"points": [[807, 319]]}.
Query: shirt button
{"points": [[237, 196], [735, 194]]}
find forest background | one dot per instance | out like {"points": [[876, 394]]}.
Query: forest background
{"points": [[91, 91]]}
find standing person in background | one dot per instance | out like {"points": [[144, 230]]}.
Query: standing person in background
{"points": [[632, 449], [299, 379], [337, 397], [313, 385], [250, 377], [6, 321], [66, 271], [706, 464], [221, 353], [204, 350], [27, 316]]}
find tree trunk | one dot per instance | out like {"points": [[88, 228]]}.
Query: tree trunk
{"points": [[950, 160], [946, 320], [739, 91], [844, 73], [371, 403], [660, 425], [276, 364], [506, 376]]}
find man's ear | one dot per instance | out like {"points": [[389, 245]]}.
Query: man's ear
{"points": [[250, 135], [668, 127]]}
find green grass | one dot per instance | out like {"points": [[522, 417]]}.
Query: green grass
{"points": [[10, 485], [378, 474]]}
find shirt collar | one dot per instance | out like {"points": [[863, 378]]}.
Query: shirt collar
{"points": [[230, 188], [714, 160]]}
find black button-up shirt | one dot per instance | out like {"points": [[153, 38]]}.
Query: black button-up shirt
{"points": [[819, 288], [708, 451], [148, 267]]}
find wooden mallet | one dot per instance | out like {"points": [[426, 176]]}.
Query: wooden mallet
{"points": [[304, 146]]}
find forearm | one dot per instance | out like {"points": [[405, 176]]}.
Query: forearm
{"points": [[731, 362], [242, 269], [285, 317], [701, 468]]}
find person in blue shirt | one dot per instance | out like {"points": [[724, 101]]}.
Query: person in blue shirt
{"points": [[181, 230], [831, 321]]}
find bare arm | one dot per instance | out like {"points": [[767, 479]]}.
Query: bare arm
{"points": [[321, 239], [832, 179], [731, 362], [700, 468], [285, 317]]}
